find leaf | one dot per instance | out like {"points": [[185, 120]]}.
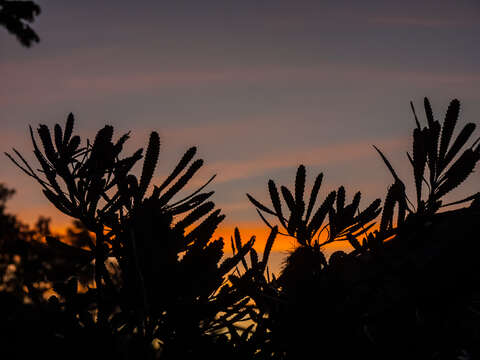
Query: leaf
{"points": [[287, 195], [428, 112], [72, 146], [459, 142], [268, 246], [192, 195], [58, 202], [340, 198], [370, 213], [276, 202], [419, 160], [468, 198], [149, 164], [300, 184], [253, 258], [388, 207], [457, 173], [175, 188], [201, 234], [260, 205], [354, 204], [58, 138], [320, 214], [46, 139], [354, 242], [231, 262], [313, 195], [195, 215], [118, 147], [182, 164], [448, 127], [432, 137], [389, 166], [238, 242], [415, 115], [190, 204], [68, 129]]}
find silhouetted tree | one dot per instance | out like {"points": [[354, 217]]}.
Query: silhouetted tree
{"points": [[15, 16]]}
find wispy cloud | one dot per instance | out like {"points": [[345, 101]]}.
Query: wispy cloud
{"points": [[26, 82], [321, 155]]}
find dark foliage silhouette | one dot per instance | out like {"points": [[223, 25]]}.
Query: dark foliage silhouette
{"points": [[15, 16], [408, 289], [158, 277], [140, 274]]}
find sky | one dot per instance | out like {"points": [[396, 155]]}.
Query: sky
{"points": [[259, 87]]}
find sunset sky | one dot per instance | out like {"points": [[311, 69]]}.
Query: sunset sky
{"points": [[259, 86]]}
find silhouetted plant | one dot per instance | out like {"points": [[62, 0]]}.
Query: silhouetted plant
{"points": [[158, 275], [14, 16], [433, 152], [346, 222], [415, 296]]}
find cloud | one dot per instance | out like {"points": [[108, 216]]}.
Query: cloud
{"points": [[51, 80], [321, 155]]}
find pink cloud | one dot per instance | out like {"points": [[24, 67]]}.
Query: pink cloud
{"points": [[321, 155]]}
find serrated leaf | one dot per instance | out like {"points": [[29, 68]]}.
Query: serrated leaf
{"points": [[175, 188], [268, 246], [195, 215], [388, 207], [340, 198], [58, 138], [313, 196], [300, 184], [320, 214], [272, 188], [149, 164], [201, 234], [238, 242], [190, 204], [231, 262], [459, 142], [428, 112], [182, 164], [419, 160], [448, 126], [68, 129], [46, 139], [253, 258], [457, 173], [354, 242], [370, 213], [289, 200]]}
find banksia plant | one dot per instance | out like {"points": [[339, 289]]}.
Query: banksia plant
{"points": [[305, 224], [437, 160], [158, 272]]}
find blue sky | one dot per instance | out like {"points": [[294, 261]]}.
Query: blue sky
{"points": [[259, 86]]}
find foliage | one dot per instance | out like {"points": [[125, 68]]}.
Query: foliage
{"points": [[158, 277], [15, 16], [155, 282], [345, 221]]}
